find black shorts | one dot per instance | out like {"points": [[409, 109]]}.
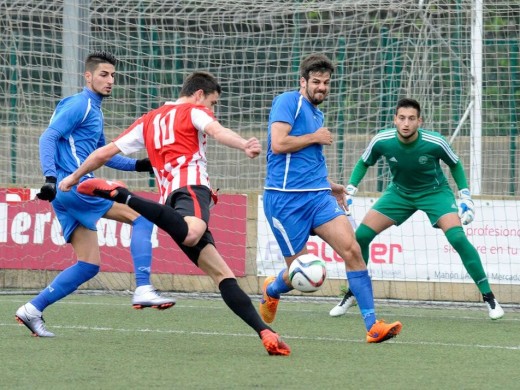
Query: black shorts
{"points": [[193, 201]]}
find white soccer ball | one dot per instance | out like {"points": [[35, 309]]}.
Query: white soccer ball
{"points": [[307, 273]]}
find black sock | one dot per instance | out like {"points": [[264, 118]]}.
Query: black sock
{"points": [[122, 195], [163, 216], [488, 297], [238, 301]]}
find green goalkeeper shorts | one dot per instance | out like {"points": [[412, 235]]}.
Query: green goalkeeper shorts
{"points": [[399, 206]]}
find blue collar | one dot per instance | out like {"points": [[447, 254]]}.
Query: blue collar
{"points": [[95, 97]]}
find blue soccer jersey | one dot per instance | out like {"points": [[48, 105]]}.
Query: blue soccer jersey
{"points": [[306, 169], [75, 131], [77, 122]]}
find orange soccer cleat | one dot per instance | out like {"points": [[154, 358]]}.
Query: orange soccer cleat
{"points": [[268, 305], [381, 331], [107, 189], [274, 344]]}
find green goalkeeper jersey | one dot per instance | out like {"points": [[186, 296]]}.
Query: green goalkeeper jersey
{"points": [[415, 167]]}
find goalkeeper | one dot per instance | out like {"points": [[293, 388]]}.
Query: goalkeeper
{"points": [[418, 183]]}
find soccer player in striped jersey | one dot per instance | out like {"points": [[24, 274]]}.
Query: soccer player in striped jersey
{"points": [[76, 130], [174, 135], [414, 156], [300, 200]]}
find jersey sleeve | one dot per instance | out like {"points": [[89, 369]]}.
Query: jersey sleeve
{"points": [[48, 146], [121, 163], [284, 109], [68, 115], [359, 172], [132, 139], [372, 152], [201, 117], [457, 171], [446, 153]]}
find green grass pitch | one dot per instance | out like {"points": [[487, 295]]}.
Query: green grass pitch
{"points": [[102, 343]]}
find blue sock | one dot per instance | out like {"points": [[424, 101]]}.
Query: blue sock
{"points": [[141, 250], [361, 286], [278, 286], [65, 283]]}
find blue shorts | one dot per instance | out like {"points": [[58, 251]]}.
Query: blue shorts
{"points": [[73, 209], [293, 216]]}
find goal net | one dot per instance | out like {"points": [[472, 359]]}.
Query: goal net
{"points": [[384, 50]]}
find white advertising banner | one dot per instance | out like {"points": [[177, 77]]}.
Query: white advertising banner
{"points": [[415, 251]]}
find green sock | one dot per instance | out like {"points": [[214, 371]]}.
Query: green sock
{"points": [[470, 257], [364, 236]]}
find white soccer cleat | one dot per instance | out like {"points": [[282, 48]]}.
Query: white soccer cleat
{"points": [[341, 308], [32, 318], [494, 308], [148, 296]]}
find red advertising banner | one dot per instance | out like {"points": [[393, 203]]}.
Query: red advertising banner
{"points": [[31, 238]]}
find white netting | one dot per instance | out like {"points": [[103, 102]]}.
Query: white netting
{"points": [[384, 50]]}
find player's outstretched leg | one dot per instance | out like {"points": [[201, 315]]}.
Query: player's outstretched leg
{"points": [[341, 308], [268, 305], [32, 318], [381, 331], [240, 303]]}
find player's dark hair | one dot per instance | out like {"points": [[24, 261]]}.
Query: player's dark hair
{"points": [[200, 80], [99, 57], [409, 103], [316, 63]]}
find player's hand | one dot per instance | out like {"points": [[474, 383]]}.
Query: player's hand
{"points": [[67, 183], [143, 165], [323, 136], [48, 190], [466, 207], [351, 192], [252, 148], [339, 191]]}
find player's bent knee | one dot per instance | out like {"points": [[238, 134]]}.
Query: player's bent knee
{"points": [[192, 239], [193, 252]]}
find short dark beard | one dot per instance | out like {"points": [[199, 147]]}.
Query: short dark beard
{"points": [[314, 101]]}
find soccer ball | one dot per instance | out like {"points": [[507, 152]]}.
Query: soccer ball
{"points": [[307, 273]]}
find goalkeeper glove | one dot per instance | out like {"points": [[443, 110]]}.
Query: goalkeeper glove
{"points": [[466, 207], [351, 192], [48, 190], [143, 165]]}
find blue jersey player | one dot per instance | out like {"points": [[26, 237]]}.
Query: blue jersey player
{"points": [[300, 200], [75, 131]]}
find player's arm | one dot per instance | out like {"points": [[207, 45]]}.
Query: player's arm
{"points": [[459, 176], [251, 147], [358, 173], [282, 142], [340, 193], [123, 163], [95, 160], [48, 145], [466, 204]]}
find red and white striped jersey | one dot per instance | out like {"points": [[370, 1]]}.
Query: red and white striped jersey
{"points": [[174, 138]]}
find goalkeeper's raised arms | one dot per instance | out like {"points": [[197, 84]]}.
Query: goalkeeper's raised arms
{"points": [[466, 207]]}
